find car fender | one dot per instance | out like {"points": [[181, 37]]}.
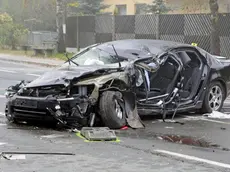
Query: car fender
{"points": [[98, 82]]}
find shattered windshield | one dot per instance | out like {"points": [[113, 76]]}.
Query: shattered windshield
{"points": [[96, 56]]}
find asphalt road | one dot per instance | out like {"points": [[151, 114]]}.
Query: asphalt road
{"points": [[138, 150]]}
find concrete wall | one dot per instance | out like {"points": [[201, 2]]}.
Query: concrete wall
{"points": [[129, 3]]}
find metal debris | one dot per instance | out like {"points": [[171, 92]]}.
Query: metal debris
{"points": [[12, 155], [98, 134]]}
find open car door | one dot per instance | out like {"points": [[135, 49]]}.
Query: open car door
{"points": [[158, 81]]}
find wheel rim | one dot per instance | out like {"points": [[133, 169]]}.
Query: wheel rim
{"points": [[215, 98], [118, 110]]}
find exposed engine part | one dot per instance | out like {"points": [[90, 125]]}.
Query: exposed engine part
{"points": [[82, 90], [10, 91], [59, 113], [77, 112], [57, 107], [65, 99], [56, 116], [43, 91]]}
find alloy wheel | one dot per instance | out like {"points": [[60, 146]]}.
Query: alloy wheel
{"points": [[215, 98]]}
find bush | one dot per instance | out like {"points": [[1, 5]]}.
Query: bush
{"points": [[10, 32]]}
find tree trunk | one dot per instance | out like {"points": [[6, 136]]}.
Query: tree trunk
{"points": [[60, 20], [215, 39]]}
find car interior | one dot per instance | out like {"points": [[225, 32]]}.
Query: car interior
{"points": [[169, 74], [191, 72], [162, 81]]}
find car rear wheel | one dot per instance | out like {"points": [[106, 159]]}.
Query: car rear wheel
{"points": [[112, 109], [214, 98]]}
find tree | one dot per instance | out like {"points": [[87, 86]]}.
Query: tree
{"points": [[215, 39], [87, 7], [34, 14], [60, 20], [157, 7], [10, 32]]}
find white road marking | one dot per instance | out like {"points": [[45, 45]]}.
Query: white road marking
{"points": [[14, 157], [1, 126], [194, 158], [211, 120], [205, 119], [1, 96], [31, 74], [2, 144], [2, 114], [8, 71], [52, 136]]}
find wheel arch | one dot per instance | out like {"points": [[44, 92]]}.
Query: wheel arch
{"points": [[114, 85]]}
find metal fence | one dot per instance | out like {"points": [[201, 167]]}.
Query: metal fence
{"points": [[187, 28], [39, 40]]}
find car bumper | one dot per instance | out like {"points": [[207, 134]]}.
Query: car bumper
{"points": [[37, 109]]}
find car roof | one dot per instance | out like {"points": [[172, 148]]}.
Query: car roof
{"points": [[155, 46]]}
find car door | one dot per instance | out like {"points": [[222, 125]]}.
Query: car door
{"points": [[195, 72], [159, 86]]}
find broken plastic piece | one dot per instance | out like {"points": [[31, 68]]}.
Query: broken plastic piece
{"points": [[124, 128], [98, 134]]}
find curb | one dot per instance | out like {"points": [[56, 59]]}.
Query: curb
{"points": [[29, 62]]}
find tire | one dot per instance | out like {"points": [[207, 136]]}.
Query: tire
{"points": [[208, 107], [111, 111]]}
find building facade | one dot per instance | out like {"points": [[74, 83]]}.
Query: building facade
{"points": [[131, 7]]}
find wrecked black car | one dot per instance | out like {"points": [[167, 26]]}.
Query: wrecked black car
{"points": [[117, 81]]}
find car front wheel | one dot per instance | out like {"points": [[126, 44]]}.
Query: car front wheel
{"points": [[112, 110], [214, 98]]}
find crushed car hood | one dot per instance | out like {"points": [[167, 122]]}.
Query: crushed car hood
{"points": [[63, 75]]}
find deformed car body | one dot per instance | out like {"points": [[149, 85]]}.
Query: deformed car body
{"points": [[117, 81]]}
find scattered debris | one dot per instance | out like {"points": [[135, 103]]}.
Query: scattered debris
{"points": [[98, 134], [22, 155], [225, 149], [52, 136], [74, 130], [222, 128], [125, 128], [22, 128], [217, 115], [169, 127], [37, 153], [173, 121]]}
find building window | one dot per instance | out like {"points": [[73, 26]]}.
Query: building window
{"points": [[121, 9], [140, 8]]}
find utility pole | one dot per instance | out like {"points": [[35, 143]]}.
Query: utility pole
{"points": [[215, 38], [60, 22]]}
